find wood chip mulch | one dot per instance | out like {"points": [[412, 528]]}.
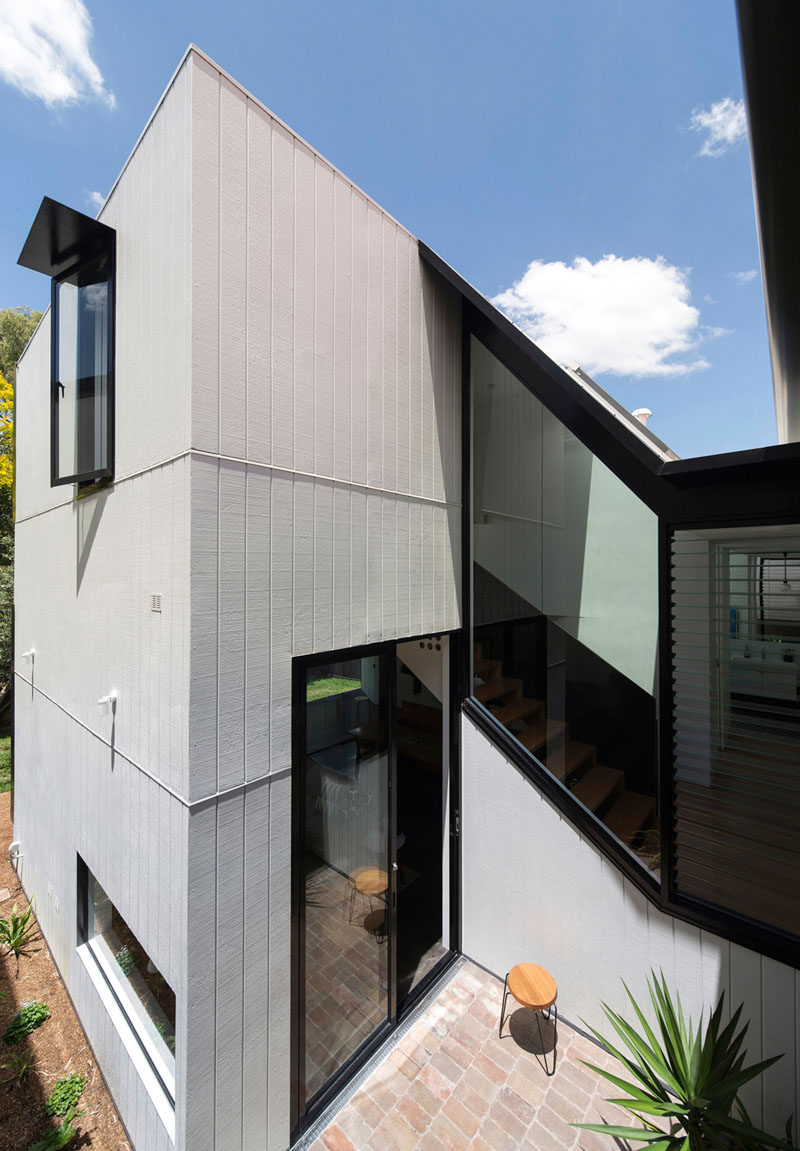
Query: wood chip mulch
{"points": [[58, 1048]]}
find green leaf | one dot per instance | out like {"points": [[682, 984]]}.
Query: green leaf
{"points": [[641, 1134]]}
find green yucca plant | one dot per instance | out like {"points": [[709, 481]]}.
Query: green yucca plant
{"points": [[685, 1080], [18, 932]]}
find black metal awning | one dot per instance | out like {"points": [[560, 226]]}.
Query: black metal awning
{"points": [[60, 237]]}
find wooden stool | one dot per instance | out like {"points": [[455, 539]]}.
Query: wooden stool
{"points": [[369, 882], [535, 988]]}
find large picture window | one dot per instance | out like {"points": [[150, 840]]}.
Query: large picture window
{"points": [[564, 606], [82, 399], [146, 1000]]}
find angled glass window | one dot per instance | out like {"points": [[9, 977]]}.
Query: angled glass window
{"points": [[82, 396], [565, 605], [146, 1000]]}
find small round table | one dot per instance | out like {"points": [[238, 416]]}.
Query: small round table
{"points": [[535, 988]]}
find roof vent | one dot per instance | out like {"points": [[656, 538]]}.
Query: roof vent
{"points": [[642, 415]]}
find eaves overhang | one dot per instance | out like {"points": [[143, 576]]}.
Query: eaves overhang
{"points": [[60, 236], [769, 34]]}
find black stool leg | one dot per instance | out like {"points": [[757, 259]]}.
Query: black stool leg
{"points": [[503, 1009], [551, 1009]]}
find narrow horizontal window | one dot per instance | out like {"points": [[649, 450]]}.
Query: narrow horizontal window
{"points": [[146, 1000]]}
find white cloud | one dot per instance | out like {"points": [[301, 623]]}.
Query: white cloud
{"points": [[745, 277], [95, 200], [724, 124], [622, 317], [44, 51]]}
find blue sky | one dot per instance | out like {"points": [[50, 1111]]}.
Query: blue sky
{"points": [[562, 156]]}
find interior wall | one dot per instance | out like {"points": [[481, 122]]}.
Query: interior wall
{"points": [[534, 890]]}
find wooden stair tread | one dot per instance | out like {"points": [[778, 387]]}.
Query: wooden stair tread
{"points": [[541, 733], [569, 758], [486, 667], [598, 785], [631, 813], [518, 709], [497, 688]]}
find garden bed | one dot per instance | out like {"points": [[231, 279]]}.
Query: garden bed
{"points": [[57, 1048]]}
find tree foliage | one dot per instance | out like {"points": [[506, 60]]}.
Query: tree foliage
{"points": [[16, 328]]}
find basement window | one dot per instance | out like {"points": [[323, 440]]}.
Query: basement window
{"points": [[143, 1002]]}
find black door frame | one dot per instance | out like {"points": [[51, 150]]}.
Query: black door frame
{"points": [[303, 1116]]}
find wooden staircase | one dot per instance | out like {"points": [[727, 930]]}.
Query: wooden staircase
{"points": [[628, 814]]}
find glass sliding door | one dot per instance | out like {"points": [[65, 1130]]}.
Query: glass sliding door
{"points": [[343, 864], [373, 857], [421, 831]]}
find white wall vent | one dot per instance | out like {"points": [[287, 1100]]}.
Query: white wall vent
{"points": [[155, 601]]}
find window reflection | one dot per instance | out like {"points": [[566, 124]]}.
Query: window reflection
{"points": [[145, 993], [345, 862], [565, 605]]}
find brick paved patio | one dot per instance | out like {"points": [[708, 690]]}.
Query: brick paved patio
{"points": [[451, 1083]]}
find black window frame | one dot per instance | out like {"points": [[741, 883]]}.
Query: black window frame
{"points": [[106, 472], [743, 488]]}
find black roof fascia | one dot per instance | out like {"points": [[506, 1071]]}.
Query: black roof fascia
{"points": [[759, 485], [605, 435], [60, 237], [769, 34]]}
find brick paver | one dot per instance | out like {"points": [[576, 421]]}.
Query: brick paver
{"points": [[451, 1084]]}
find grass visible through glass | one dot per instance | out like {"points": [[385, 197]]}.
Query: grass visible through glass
{"points": [[330, 685]]}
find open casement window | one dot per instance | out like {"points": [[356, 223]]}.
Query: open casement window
{"points": [[78, 254], [81, 413]]}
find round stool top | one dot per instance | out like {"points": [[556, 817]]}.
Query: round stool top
{"points": [[532, 986], [371, 881]]}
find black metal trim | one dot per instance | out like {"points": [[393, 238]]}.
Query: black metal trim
{"points": [[709, 917], [665, 704], [82, 892], [297, 1014], [721, 485], [735, 489], [559, 796], [456, 696]]}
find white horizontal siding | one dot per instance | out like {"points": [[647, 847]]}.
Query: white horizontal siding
{"points": [[534, 890]]}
